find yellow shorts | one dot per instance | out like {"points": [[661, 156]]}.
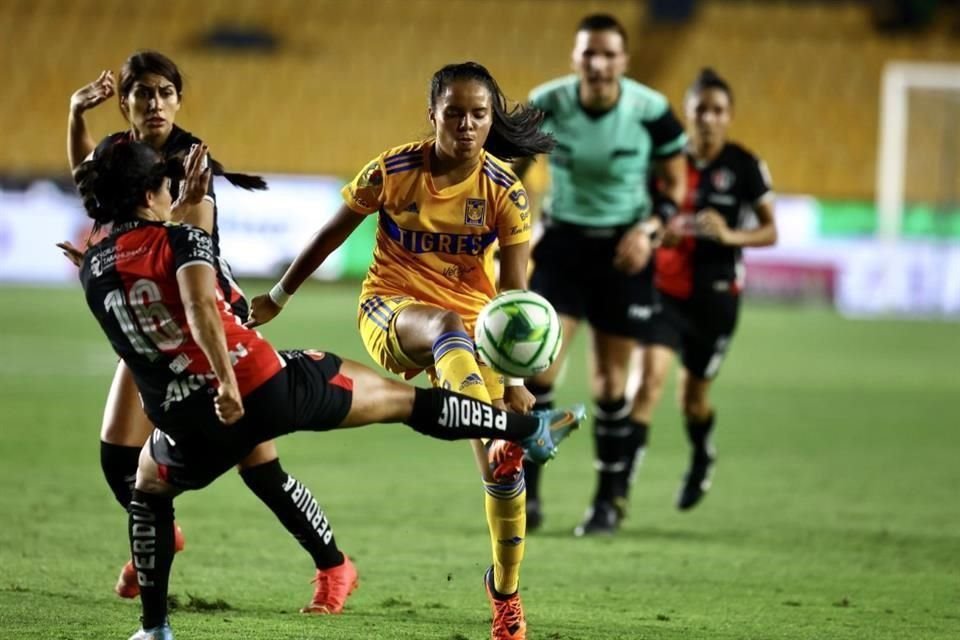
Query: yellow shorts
{"points": [[377, 316]]}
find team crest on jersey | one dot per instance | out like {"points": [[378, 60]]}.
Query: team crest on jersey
{"points": [[722, 179], [474, 212]]}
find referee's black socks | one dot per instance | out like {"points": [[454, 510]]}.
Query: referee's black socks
{"points": [[619, 443], [698, 432], [150, 526], [296, 509], [532, 470]]}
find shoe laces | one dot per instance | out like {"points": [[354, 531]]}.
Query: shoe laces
{"points": [[509, 616]]}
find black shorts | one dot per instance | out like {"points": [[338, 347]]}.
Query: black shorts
{"points": [[573, 269], [193, 447], [699, 329]]}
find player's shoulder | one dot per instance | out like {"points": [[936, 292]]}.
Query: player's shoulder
{"points": [[180, 141], [408, 152], [738, 154], [498, 171], [110, 140], [556, 94], [644, 101]]}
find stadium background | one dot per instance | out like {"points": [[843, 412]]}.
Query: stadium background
{"points": [[835, 512]]}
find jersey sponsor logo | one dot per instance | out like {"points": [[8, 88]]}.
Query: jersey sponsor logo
{"points": [[466, 412], [107, 258], [457, 271], [180, 363], [722, 179], [474, 212], [520, 200], [518, 229], [722, 199], [179, 390], [431, 242], [201, 246]]}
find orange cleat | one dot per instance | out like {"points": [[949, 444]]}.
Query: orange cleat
{"points": [[334, 585], [509, 622], [127, 586]]}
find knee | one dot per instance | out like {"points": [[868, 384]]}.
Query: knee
{"points": [[695, 406], [446, 322], [609, 382]]}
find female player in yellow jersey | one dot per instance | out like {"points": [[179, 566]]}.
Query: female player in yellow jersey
{"points": [[442, 203]]}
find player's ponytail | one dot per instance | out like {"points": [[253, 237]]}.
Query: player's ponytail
{"points": [[515, 132], [710, 79], [242, 180], [113, 184]]}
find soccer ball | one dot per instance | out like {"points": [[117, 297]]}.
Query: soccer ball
{"points": [[518, 334]]}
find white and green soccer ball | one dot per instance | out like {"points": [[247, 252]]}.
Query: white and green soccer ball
{"points": [[518, 333]]}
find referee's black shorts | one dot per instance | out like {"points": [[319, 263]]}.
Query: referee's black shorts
{"points": [[193, 448], [573, 269]]}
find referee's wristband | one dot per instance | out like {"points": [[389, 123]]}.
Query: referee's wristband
{"points": [[512, 382], [665, 208], [278, 295]]}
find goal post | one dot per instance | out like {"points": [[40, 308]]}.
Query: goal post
{"points": [[893, 150]]}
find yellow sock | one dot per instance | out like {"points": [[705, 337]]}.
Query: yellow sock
{"points": [[456, 366], [507, 519], [505, 504]]}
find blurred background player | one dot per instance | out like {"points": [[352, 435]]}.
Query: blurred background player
{"points": [[214, 388], [150, 95], [592, 261], [443, 203], [699, 271]]}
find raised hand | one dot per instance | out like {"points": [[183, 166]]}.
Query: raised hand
{"points": [[91, 95], [72, 254], [196, 180]]}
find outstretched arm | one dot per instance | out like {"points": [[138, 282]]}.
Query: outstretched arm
{"points": [[324, 242]]}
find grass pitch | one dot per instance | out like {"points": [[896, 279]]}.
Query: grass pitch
{"points": [[834, 511]]}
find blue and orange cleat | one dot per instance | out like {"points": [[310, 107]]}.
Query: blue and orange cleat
{"points": [[509, 623], [127, 586], [334, 585], [506, 458]]}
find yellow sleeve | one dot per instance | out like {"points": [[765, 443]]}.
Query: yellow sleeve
{"points": [[513, 217], [365, 193]]}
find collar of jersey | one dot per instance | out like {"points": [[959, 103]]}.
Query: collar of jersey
{"points": [[454, 189]]}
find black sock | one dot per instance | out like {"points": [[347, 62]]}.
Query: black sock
{"points": [[296, 509], [447, 415], [698, 432], [610, 435], [531, 470], [636, 445], [151, 546], [119, 464]]}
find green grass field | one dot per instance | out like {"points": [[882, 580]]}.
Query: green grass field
{"points": [[834, 512]]}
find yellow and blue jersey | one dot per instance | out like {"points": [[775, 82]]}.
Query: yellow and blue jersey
{"points": [[437, 245]]}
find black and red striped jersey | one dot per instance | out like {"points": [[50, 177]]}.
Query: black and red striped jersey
{"points": [[130, 282], [178, 145], [733, 183]]}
